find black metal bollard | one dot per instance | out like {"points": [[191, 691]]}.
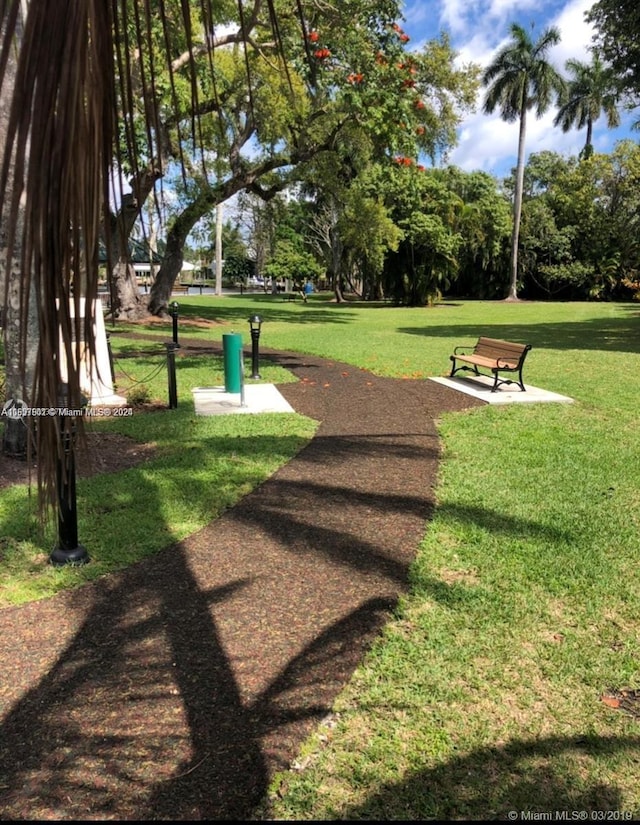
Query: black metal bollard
{"points": [[173, 309], [67, 551], [171, 375], [255, 322]]}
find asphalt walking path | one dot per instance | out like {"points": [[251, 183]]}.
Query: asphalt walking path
{"points": [[179, 687]]}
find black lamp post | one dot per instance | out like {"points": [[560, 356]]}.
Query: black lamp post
{"points": [[255, 322], [67, 550], [173, 310]]}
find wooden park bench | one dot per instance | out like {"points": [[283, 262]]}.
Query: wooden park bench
{"points": [[180, 289], [494, 355]]}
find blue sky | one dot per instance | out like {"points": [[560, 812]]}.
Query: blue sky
{"points": [[477, 28]]}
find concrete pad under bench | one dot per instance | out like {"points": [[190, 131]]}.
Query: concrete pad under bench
{"points": [[480, 386]]}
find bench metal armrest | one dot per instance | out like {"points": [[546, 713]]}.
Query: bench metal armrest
{"points": [[462, 349]]}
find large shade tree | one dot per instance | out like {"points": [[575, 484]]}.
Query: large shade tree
{"points": [[521, 78], [359, 77], [73, 113]]}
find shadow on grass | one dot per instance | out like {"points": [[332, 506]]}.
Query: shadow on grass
{"points": [[237, 309], [619, 334], [541, 776]]}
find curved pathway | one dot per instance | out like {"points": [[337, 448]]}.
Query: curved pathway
{"points": [[175, 689]]}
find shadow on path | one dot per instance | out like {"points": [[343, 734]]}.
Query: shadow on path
{"points": [[175, 689]]}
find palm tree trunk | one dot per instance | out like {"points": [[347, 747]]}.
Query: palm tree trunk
{"points": [[588, 147], [517, 207]]}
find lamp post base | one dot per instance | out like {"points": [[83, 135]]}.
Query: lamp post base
{"points": [[62, 556]]}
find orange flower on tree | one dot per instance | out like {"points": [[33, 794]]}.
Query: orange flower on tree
{"points": [[321, 54], [313, 37]]}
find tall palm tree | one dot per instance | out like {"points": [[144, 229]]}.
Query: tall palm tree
{"points": [[591, 91], [521, 78]]}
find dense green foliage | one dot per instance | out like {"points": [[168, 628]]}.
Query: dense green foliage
{"points": [[617, 24], [411, 235], [580, 224]]}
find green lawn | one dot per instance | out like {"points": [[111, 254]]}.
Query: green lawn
{"points": [[483, 694]]}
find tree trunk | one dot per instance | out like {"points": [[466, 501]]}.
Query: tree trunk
{"points": [[173, 256], [169, 270], [336, 256], [126, 301], [517, 207], [19, 363]]}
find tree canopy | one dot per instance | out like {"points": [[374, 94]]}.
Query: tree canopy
{"points": [[617, 36]]}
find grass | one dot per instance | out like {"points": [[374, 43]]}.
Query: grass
{"points": [[200, 467], [482, 694]]}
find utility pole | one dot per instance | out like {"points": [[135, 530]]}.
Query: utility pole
{"points": [[219, 249]]}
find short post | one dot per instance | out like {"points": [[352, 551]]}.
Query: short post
{"points": [[173, 310], [171, 375], [111, 364], [67, 551], [243, 403], [255, 322]]}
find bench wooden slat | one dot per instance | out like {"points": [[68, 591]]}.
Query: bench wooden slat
{"points": [[490, 362]]}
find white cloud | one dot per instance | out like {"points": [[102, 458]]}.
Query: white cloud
{"points": [[575, 32], [477, 30]]}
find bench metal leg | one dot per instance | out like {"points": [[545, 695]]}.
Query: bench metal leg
{"points": [[473, 368], [497, 381]]}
